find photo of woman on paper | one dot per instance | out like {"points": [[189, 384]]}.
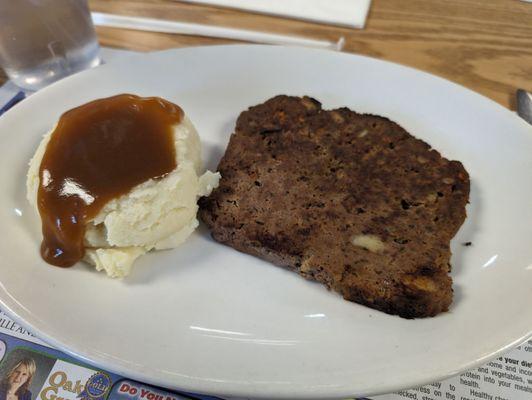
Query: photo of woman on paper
{"points": [[14, 385]]}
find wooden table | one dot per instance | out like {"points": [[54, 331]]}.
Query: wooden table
{"points": [[485, 45]]}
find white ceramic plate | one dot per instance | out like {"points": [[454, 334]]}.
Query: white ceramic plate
{"points": [[206, 318]]}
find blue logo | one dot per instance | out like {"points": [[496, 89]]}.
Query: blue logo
{"points": [[97, 386]]}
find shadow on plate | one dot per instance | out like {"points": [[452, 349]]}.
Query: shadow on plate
{"points": [[212, 152], [464, 241]]}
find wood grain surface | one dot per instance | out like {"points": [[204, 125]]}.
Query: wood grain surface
{"points": [[485, 45]]}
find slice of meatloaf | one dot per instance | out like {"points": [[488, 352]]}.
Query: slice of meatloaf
{"points": [[349, 200]]}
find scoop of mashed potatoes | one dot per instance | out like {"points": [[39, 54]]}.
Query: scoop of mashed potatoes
{"points": [[157, 214]]}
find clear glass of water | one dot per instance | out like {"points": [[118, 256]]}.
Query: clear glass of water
{"points": [[42, 41]]}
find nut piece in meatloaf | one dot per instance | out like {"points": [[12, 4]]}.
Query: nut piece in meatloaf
{"points": [[349, 200]]}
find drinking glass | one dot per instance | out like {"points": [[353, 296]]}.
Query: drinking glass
{"points": [[42, 41]]}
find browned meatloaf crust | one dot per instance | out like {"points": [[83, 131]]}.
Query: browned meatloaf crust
{"points": [[349, 200]]}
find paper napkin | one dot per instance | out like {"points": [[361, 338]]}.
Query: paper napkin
{"points": [[349, 13]]}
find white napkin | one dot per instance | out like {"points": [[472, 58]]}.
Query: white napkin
{"points": [[350, 13]]}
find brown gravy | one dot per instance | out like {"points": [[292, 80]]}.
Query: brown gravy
{"points": [[98, 152]]}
